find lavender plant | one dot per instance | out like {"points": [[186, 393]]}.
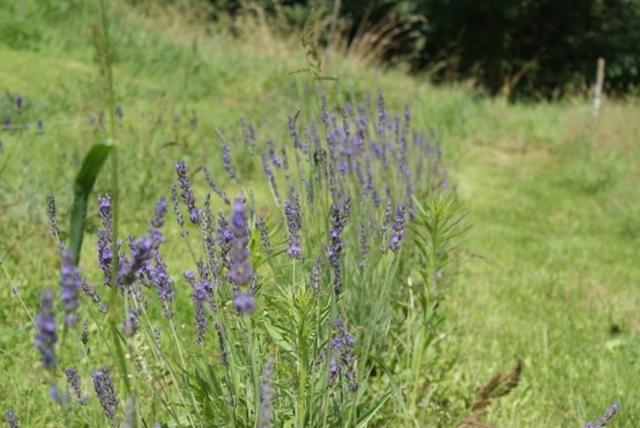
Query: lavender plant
{"points": [[314, 291]]}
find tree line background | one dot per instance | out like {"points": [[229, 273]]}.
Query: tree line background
{"points": [[519, 48]]}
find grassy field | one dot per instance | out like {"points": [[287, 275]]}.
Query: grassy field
{"points": [[549, 268]]}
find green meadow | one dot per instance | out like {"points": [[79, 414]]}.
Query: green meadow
{"points": [[547, 270]]}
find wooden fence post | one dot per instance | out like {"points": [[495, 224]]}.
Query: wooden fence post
{"points": [[597, 100]]}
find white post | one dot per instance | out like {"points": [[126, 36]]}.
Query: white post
{"points": [[597, 100]]}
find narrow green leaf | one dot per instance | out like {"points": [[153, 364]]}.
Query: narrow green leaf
{"points": [[82, 187], [373, 409], [394, 385]]}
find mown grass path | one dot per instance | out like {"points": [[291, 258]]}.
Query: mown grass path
{"points": [[551, 276]]}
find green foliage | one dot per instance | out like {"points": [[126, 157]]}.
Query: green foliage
{"points": [[537, 48]]}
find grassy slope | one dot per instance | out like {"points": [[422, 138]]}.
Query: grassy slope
{"points": [[551, 262]]}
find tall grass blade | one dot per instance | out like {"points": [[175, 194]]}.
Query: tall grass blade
{"points": [[82, 188]]}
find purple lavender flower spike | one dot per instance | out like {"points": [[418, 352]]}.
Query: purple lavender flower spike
{"points": [[398, 228], [293, 132], [275, 160], [51, 217], [342, 365], [224, 238], [364, 246], [105, 391], [266, 395], [209, 236], [316, 276], [70, 285], [84, 335], [241, 271], [606, 417], [382, 115], [105, 238], [261, 225], [130, 323], [160, 213], [222, 342], [60, 398], [407, 119], [176, 208], [143, 249], [19, 101], [324, 115], [244, 303], [73, 383], [187, 194], [285, 161], [214, 186], [158, 275], [270, 177], [249, 134], [334, 248], [46, 337], [293, 214], [11, 419], [200, 298], [226, 162]]}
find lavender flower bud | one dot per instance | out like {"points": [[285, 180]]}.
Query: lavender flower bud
{"points": [[216, 189], [382, 115], [398, 229], [224, 238], [103, 385], [364, 245], [249, 135], [297, 141], [89, 290], [160, 213], [603, 420], [70, 285], [293, 214], [53, 223], [324, 115], [208, 234], [343, 363], [58, 397], [11, 419], [275, 160], [339, 216], [244, 303], [266, 395], [200, 298], [222, 342], [187, 194], [241, 271], [264, 234], [105, 238], [316, 276], [73, 382], [176, 207], [142, 250], [270, 177], [159, 277], [130, 323], [226, 161], [46, 337], [84, 335]]}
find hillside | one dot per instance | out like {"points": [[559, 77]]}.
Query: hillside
{"points": [[549, 268]]}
